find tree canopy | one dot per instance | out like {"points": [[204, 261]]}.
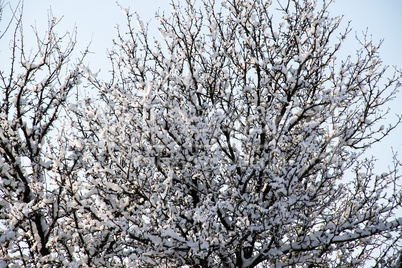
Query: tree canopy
{"points": [[235, 139]]}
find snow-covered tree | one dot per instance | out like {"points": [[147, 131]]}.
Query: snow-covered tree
{"points": [[235, 139], [35, 176]]}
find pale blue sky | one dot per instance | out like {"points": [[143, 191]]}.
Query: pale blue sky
{"points": [[96, 20]]}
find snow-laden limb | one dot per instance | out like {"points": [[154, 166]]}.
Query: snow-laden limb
{"points": [[318, 239]]}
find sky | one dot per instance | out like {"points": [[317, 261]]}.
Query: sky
{"points": [[95, 21]]}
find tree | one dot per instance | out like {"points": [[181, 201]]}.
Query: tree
{"points": [[34, 174], [237, 139]]}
